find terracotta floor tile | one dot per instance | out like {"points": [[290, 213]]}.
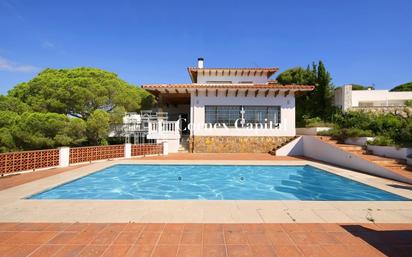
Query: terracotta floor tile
{"points": [[31, 226], [287, 251], [366, 250], [273, 227], [236, 237], [93, 251], [154, 227], [77, 227], [192, 238], [46, 250], [193, 227], [31, 237], [258, 239], [293, 227], [313, 227], [118, 227], [116, 251], [214, 251], [20, 250], [57, 226], [254, 227], [301, 238], [105, 237], [96, 228], [239, 251], [263, 251], [174, 227], [5, 235], [232, 227], [148, 238], [213, 227], [280, 238], [346, 238], [332, 227], [213, 238], [135, 227], [63, 238], [323, 238], [69, 251], [170, 237], [140, 250], [313, 251], [126, 237], [8, 226], [83, 238], [189, 251], [338, 250], [165, 251]]}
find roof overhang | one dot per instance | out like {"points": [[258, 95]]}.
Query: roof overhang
{"points": [[158, 89], [267, 72]]}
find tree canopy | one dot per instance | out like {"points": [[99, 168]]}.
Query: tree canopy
{"points": [[403, 87], [317, 103], [79, 92], [66, 107], [362, 87]]}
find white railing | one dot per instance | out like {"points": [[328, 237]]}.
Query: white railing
{"points": [[163, 127]]}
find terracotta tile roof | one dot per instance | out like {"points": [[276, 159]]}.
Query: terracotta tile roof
{"points": [[228, 86], [269, 71]]}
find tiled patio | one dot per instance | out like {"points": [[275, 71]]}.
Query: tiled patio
{"points": [[193, 240]]}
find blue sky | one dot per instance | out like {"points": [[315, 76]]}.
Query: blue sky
{"points": [[154, 41]]}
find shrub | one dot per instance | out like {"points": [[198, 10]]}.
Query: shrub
{"points": [[382, 141], [341, 134], [315, 122]]}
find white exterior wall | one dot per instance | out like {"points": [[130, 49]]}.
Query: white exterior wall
{"points": [[287, 106], [201, 79], [379, 97], [346, 98]]}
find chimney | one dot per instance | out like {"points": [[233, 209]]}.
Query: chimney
{"points": [[200, 63]]}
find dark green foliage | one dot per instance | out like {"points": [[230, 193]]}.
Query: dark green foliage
{"points": [[390, 129], [79, 92], [403, 87], [66, 107], [317, 103], [361, 87]]}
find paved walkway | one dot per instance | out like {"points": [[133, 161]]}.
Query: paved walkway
{"points": [[207, 240], [22, 178]]}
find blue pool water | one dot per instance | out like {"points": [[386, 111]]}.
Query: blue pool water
{"points": [[216, 182]]}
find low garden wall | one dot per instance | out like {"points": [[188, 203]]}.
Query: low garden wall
{"points": [[64, 156]]}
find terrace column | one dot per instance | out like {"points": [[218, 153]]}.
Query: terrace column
{"points": [[64, 156], [127, 150]]}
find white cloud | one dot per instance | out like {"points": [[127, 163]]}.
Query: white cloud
{"points": [[7, 65]]}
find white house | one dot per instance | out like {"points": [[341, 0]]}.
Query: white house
{"points": [[346, 98], [226, 110]]}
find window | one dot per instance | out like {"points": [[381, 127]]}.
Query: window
{"points": [[222, 114], [251, 114], [219, 82], [262, 114]]}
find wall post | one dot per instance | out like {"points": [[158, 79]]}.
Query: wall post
{"points": [[165, 148], [127, 150], [64, 156]]}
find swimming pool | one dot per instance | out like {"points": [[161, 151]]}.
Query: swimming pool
{"points": [[216, 182]]}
